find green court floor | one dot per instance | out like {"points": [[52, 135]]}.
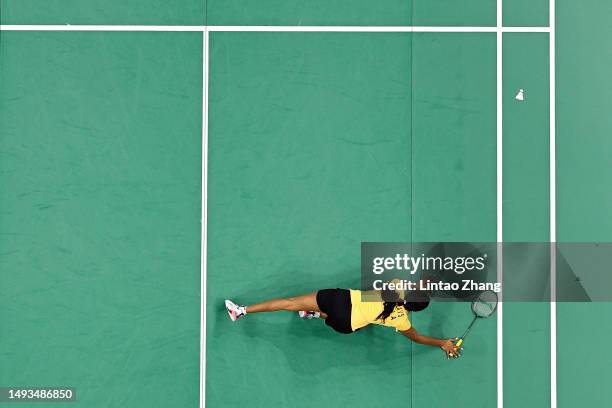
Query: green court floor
{"points": [[315, 142], [100, 209]]}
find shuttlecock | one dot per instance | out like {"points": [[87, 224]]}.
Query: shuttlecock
{"points": [[520, 96]]}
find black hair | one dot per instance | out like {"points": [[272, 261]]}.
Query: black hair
{"points": [[419, 300]]}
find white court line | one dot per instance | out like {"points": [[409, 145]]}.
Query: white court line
{"points": [[379, 29], [500, 208], [69, 27], [347, 29], [204, 221], [553, 209]]}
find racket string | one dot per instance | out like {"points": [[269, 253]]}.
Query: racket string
{"points": [[485, 304]]}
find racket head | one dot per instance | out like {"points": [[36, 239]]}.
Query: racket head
{"points": [[485, 304]]}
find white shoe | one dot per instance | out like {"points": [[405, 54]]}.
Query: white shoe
{"points": [[235, 311], [309, 314]]}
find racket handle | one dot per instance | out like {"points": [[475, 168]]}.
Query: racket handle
{"points": [[459, 343]]}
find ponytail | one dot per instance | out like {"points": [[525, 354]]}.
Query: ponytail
{"points": [[391, 300]]}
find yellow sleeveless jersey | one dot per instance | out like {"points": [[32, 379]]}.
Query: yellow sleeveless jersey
{"points": [[366, 312]]}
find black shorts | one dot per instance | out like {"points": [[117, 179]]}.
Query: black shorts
{"points": [[336, 304]]}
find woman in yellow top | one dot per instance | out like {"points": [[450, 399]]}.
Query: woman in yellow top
{"points": [[348, 310]]}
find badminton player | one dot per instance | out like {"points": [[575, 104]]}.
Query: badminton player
{"points": [[348, 310]]}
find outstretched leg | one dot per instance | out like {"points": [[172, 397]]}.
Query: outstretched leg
{"points": [[306, 302], [293, 303]]}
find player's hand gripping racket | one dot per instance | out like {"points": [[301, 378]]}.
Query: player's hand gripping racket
{"points": [[483, 306]]}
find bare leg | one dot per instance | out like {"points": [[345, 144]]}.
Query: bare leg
{"points": [[294, 303]]}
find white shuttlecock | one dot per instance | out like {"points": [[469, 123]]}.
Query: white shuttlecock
{"points": [[520, 96]]}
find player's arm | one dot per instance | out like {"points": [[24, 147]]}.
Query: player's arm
{"points": [[446, 345]]}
